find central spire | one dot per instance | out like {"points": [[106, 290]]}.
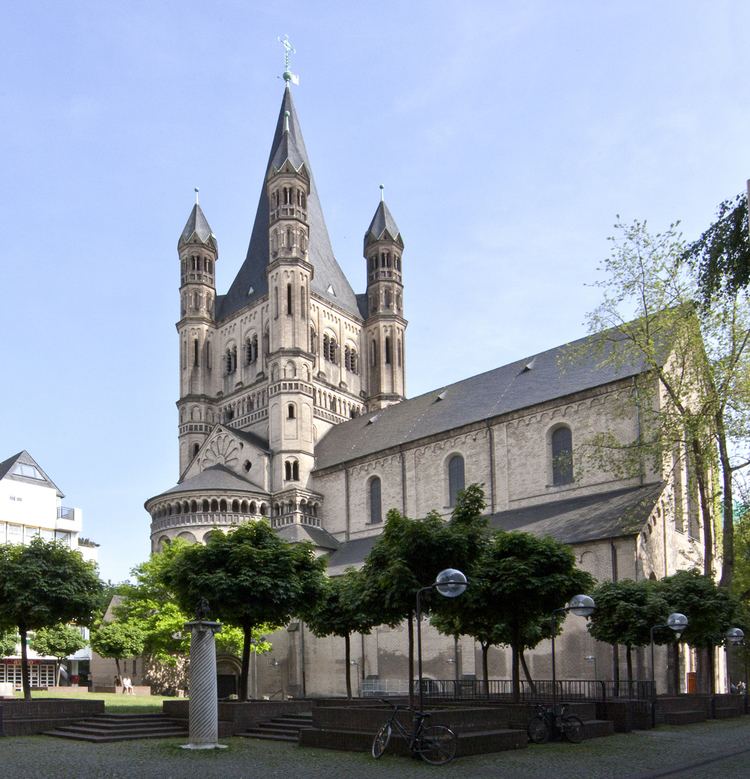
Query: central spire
{"points": [[288, 146]]}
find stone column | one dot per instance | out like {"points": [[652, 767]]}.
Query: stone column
{"points": [[204, 703]]}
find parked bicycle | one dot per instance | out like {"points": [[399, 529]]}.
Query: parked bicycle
{"points": [[552, 723], [435, 744]]}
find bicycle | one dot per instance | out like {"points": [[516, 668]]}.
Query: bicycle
{"points": [[549, 722], [435, 744]]}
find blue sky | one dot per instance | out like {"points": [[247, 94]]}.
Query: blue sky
{"points": [[508, 136]]}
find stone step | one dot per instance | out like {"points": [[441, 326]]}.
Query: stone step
{"points": [[121, 727], [724, 712], [262, 734], [684, 717]]}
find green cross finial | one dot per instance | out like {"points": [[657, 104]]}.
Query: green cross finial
{"points": [[288, 51]]}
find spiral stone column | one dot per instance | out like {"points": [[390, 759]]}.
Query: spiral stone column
{"points": [[204, 702]]}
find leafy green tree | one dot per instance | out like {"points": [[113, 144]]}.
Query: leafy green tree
{"points": [[626, 611], [722, 254], [693, 388], [118, 640], [339, 612], [411, 552], [8, 641], [711, 610], [43, 584], [519, 580], [58, 641], [251, 578]]}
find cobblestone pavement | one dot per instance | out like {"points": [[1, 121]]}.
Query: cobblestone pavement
{"points": [[711, 749]]}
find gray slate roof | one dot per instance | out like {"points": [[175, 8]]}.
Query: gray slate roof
{"points": [[573, 521], [253, 438], [217, 477], [588, 518], [328, 274], [383, 224], [6, 466], [321, 538], [197, 226], [553, 374]]}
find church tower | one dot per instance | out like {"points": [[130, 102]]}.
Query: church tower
{"points": [[198, 251], [289, 274], [385, 325]]}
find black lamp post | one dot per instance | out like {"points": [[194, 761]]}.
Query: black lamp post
{"points": [[450, 583], [676, 622], [733, 637], [582, 606]]}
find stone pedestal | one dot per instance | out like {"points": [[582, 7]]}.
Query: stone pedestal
{"points": [[204, 703]]}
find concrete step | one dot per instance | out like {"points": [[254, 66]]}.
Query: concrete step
{"points": [[262, 734], [110, 737], [121, 727], [684, 717]]}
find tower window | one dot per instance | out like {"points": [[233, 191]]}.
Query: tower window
{"points": [[388, 298], [290, 411], [302, 301], [387, 350], [289, 241], [287, 471], [400, 353], [455, 478], [289, 299], [376, 510], [295, 471], [562, 456], [373, 353], [196, 353], [196, 447]]}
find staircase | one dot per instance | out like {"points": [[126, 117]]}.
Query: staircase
{"points": [[284, 728], [121, 727]]}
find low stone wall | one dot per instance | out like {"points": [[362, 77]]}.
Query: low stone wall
{"points": [[626, 715], [26, 718], [238, 716], [138, 689]]}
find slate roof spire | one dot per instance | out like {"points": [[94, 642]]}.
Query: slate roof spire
{"points": [[383, 226], [197, 229], [251, 281]]}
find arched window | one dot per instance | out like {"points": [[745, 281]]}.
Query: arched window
{"points": [[562, 456], [290, 411], [373, 353], [287, 470], [196, 447], [289, 299], [376, 510], [387, 350], [455, 478], [295, 471]]}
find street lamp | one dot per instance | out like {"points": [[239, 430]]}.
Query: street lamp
{"points": [[450, 583], [581, 606], [734, 637], [677, 623], [592, 659]]}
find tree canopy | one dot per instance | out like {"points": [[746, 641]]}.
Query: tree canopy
{"points": [[339, 612], [118, 640], [8, 641], [42, 584], [721, 255], [58, 641], [251, 578]]}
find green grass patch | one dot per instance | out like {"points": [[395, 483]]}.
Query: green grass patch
{"points": [[113, 703]]}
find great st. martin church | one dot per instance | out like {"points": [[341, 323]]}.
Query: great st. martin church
{"points": [[292, 410]]}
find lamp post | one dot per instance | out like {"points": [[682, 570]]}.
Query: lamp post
{"points": [[733, 637], [450, 583], [592, 659], [580, 605], [677, 623]]}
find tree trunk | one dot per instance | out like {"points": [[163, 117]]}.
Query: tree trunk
{"points": [[676, 667], [516, 673], [526, 672], [410, 626], [117, 666], [708, 536], [727, 525], [485, 667], [348, 656], [616, 667], [247, 633], [710, 669], [629, 663], [24, 664]]}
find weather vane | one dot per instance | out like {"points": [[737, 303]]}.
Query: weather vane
{"points": [[288, 51]]}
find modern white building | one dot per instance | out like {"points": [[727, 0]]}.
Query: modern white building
{"points": [[31, 505]]}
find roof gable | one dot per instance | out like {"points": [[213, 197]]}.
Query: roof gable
{"points": [[23, 467]]}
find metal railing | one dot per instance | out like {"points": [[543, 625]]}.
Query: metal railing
{"points": [[65, 513], [539, 690]]}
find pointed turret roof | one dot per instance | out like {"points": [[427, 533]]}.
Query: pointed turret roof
{"points": [[383, 225], [197, 229], [328, 279]]}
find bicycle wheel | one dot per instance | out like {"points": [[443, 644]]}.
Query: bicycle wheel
{"points": [[572, 727], [538, 730], [437, 745], [380, 742]]}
